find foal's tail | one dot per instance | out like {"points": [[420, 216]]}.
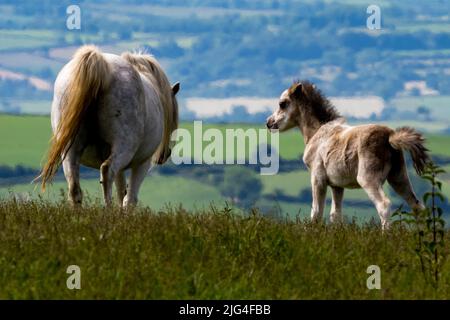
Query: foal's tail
{"points": [[409, 139], [90, 76]]}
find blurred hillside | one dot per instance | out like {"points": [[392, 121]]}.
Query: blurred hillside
{"points": [[252, 49]]}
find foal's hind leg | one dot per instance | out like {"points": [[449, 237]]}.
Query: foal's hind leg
{"points": [[138, 174], [399, 181], [374, 189]]}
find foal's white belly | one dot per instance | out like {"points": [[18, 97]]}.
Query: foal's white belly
{"points": [[338, 164], [342, 174], [349, 182]]}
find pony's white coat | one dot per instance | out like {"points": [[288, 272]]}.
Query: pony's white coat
{"points": [[125, 128]]}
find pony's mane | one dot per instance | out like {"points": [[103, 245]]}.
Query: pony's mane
{"points": [[320, 107], [148, 66]]}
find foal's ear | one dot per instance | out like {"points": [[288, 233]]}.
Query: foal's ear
{"points": [[176, 88], [296, 90]]}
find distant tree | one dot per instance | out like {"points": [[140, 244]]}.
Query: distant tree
{"points": [[387, 113], [424, 112], [305, 195], [241, 185]]}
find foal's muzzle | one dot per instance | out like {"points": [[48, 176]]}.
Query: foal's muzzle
{"points": [[271, 124]]}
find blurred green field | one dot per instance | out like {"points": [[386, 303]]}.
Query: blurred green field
{"points": [[292, 183], [156, 192], [29, 62], [175, 11], [30, 136], [32, 107], [26, 139], [26, 39], [27, 147], [23, 40], [427, 26]]}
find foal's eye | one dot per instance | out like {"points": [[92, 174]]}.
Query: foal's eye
{"points": [[283, 105]]}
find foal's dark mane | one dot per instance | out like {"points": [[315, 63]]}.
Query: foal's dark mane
{"points": [[315, 102]]}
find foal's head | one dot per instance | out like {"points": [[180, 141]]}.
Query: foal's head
{"points": [[302, 104]]}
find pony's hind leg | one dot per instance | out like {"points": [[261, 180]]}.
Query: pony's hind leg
{"points": [[399, 181], [138, 174], [108, 173], [71, 168], [336, 204], [121, 186]]}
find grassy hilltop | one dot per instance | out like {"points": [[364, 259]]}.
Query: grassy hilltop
{"points": [[210, 254]]}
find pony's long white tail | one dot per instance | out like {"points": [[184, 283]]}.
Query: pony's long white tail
{"points": [[90, 76]]}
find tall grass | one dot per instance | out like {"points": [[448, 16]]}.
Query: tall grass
{"points": [[428, 226], [210, 254]]}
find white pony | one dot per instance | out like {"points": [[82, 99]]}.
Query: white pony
{"points": [[111, 113]]}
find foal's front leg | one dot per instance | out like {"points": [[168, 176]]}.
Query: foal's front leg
{"points": [[319, 192]]}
